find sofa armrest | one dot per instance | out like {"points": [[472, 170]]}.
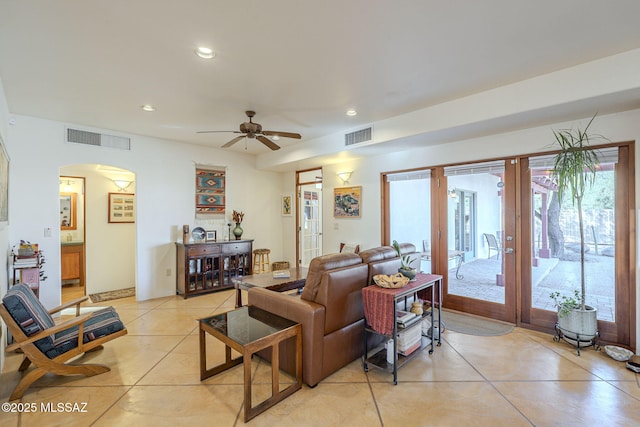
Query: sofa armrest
{"points": [[307, 313]]}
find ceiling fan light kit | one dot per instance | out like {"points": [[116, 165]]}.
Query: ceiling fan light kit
{"points": [[253, 130]]}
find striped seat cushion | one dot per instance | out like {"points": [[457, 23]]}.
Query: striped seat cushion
{"points": [[29, 313], [103, 322]]}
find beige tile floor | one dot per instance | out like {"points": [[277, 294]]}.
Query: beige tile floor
{"points": [[520, 379]]}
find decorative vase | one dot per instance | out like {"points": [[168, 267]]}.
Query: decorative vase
{"points": [[185, 234], [237, 231]]}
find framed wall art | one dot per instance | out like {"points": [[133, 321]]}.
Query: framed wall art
{"points": [[122, 207], [210, 235], [347, 202], [286, 205]]}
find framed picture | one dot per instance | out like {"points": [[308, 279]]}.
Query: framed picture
{"points": [[122, 207], [347, 202], [286, 205], [211, 236]]}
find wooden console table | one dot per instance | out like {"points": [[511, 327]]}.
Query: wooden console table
{"points": [[211, 266]]}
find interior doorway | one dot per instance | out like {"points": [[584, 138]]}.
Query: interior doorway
{"points": [[98, 255], [72, 237]]}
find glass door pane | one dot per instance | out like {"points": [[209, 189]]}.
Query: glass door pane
{"points": [[411, 225], [555, 238], [475, 209], [310, 223]]}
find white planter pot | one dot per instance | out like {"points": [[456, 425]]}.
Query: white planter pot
{"points": [[577, 322]]}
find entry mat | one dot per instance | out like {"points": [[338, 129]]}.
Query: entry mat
{"points": [[107, 296]]}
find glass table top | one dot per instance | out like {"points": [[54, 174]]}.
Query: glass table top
{"points": [[247, 324]]}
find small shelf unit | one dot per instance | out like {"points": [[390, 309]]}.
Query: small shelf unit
{"points": [[26, 269], [402, 299]]}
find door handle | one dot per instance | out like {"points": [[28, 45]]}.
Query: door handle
{"points": [[508, 250]]}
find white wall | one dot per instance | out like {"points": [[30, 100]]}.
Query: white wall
{"points": [[165, 194], [4, 227]]}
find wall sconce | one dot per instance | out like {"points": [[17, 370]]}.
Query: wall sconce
{"points": [[122, 184], [344, 176], [452, 193], [68, 188]]}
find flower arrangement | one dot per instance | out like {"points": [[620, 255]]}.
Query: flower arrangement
{"points": [[237, 216]]}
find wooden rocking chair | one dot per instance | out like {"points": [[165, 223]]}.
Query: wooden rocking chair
{"points": [[47, 345]]}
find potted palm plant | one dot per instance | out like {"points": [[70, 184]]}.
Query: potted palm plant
{"points": [[574, 172]]}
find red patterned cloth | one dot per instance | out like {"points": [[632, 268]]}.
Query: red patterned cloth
{"points": [[378, 303]]}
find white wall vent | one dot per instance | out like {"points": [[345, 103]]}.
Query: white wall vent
{"points": [[98, 139], [358, 136]]}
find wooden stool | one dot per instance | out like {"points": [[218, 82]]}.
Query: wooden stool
{"points": [[261, 261]]}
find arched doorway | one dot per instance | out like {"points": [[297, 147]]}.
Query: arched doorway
{"points": [[98, 255]]}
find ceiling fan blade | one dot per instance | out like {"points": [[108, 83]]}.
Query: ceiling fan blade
{"points": [[282, 134], [218, 131], [268, 142], [233, 141]]}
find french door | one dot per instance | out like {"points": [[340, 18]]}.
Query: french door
{"points": [[475, 201], [309, 220], [551, 244], [502, 242]]}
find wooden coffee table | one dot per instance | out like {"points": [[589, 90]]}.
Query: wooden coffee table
{"points": [[248, 330], [265, 280]]}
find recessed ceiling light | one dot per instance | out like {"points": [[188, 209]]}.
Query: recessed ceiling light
{"points": [[147, 107], [351, 112], [205, 52], [275, 138]]}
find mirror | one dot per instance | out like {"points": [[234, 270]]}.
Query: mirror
{"points": [[68, 211]]}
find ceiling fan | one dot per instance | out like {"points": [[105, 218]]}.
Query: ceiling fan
{"points": [[254, 130]]}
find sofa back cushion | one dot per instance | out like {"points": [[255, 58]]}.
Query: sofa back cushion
{"points": [[378, 254], [340, 292], [324, 263], [385, 259]]}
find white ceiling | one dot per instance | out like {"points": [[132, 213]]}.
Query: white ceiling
{"points": [[299, 64]]}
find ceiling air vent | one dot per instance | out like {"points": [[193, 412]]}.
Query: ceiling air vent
{"points": [[359, 136], [98, 139]]}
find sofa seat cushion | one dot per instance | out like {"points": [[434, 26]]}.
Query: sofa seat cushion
{"points": [[103, 322]]}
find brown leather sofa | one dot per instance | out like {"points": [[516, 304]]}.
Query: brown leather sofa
{"points": [[329, 309]]}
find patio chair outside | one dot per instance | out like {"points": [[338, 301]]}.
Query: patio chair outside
{"points": [[492, 243]]}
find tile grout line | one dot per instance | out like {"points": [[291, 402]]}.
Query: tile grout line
{"points": [[136, 383], [373, 396], [491, 384]]}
